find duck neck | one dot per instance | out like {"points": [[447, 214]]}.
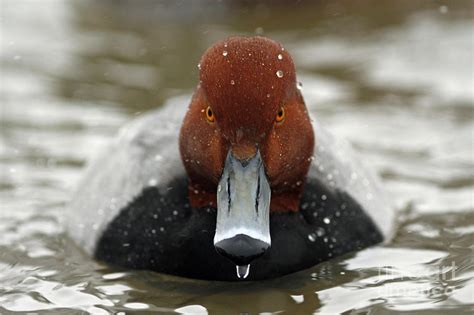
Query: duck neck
{"points": [[281, 201]]}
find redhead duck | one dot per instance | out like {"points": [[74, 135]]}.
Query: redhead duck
{"points": [[251, 187]]}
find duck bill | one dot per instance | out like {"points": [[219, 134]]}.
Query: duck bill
{"points": [[243, 210]]}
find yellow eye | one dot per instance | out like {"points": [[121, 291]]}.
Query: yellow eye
{"points": [[280, 115], [209, 114]]}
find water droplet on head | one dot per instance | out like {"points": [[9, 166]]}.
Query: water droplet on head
{"points": [[242, 271], [224, 53], [280, 57], [199, 66], [299, 86], [268, 95], [312, 237], [232, 82], [327, 220], [279, 74]]}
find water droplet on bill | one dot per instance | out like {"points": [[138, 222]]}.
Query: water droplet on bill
{"points": [[279, 74], [280, 56], [242, 271], [224, 53]]}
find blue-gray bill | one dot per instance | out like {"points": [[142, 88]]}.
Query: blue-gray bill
{"points": [[243, 212]]}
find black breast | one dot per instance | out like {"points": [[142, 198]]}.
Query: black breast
{"points": [[159, 231]]}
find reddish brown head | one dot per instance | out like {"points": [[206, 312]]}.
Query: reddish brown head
{"points": [[247, 104], [247, 80], [247, 99]]}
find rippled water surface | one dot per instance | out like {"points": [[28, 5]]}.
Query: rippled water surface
{"points": [[393, 78]]}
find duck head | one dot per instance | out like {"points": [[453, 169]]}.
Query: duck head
{"points": [[246, 142]]}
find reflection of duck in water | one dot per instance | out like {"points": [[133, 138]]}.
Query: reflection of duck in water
{"points": [[249, 180]]}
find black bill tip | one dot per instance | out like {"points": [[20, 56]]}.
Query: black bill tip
{"points": [[241, 249]]}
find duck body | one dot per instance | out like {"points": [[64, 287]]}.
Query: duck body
{"points": [[132, 209], [250, 179]]}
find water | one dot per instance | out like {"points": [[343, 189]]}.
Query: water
{"points": [[395, 80]]}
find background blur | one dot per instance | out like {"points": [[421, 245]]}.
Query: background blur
{"points": [[394, 78]]}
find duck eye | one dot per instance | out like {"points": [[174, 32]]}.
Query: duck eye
{"points": [[280, 115], [209, 114]]}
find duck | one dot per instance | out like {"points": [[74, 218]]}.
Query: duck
{"points": [[243, 183]]}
